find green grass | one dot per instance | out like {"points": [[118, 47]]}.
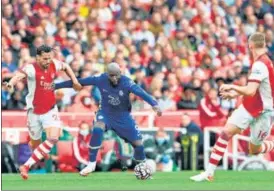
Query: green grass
{"points": [[228, 180]]}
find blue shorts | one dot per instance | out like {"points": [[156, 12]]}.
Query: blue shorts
{"points": [[123, 125]]}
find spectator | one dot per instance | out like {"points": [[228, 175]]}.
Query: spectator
{"points": [[210, 110], [21, 30], [189, 100], [8, 14], [81, 145], [8, 63], [159, 148], [157, 65], [188, 128], [165, 100], [15, 48]]}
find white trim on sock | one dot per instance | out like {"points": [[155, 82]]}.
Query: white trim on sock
{"points": [[38, 154], [220, 148], [48, 143], [222, 141], [30, 162], [215, 156], [44, 148]]}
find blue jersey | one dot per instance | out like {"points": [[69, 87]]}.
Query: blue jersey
{"points": [[115, 99]]}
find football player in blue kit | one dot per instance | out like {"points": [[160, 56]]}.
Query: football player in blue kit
{"points": [[114, 111]]}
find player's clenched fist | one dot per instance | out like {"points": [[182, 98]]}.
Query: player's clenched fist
{"points": [[157, 109], [77, 86], [226, 87]]}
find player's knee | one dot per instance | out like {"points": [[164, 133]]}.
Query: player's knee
{"points": [[53, 139], [98, 128], [253, 151], [137, 143], [99, 124], [34, 143], [227, 134]]}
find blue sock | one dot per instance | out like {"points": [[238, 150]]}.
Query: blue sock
{"points": [[95, 143], [139, 153]]}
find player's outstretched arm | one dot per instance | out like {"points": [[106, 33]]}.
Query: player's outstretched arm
{"points": [[18, 77], [83, 81], [259, 72], [248, 90], [137, 90], [76, 85], [229, 94]]}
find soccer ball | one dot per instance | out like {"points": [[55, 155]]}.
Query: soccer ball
{"points": [[152, 164], [142, 171]]}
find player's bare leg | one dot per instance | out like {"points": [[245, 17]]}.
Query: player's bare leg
{"points": [[41, 151], [217, 153], [95, 144], [34, 143], [265, 147]]}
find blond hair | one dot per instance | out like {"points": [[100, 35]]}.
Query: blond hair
{"points": [[258, 39]]}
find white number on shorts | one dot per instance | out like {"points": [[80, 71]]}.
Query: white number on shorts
{"points": [[55, 117], [262, 135]]}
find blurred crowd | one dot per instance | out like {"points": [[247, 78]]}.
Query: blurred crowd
{"points": [[180, 51]]}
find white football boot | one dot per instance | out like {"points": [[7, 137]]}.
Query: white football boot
{"points": [[88, 169], [204, 176]]}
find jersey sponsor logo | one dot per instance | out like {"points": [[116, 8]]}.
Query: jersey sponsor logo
{"points": [[104, 90], [113, 100], [100, 117], [46, 85], [121, 93]]}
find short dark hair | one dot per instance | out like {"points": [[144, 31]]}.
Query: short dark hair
{"points": [[43, 48]]}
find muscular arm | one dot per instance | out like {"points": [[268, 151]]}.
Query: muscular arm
{"points": [[70, 73], [18, 77], [83, 81], [137, 90], [229, 94], [248, 90]]}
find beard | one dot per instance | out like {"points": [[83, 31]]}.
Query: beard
{"points": [[251, 55]]}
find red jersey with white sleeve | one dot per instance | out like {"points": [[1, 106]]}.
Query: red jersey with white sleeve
{"points": [[41, 97], [262, 72]]}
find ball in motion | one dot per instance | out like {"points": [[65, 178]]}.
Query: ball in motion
{"points": [[142, 171]]}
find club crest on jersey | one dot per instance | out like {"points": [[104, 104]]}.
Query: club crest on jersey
{"points": [[42, 77], [121, 93]]}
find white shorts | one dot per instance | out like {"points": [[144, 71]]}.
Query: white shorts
{"points": [[37, 123], [259, 127]]}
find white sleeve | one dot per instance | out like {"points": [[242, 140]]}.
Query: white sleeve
{"points": [[259, 72], [28, 70], [59, 65]]}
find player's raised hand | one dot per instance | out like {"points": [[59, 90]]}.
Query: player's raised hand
{"points": [[226, 87], [157, 109], [77, 86]]}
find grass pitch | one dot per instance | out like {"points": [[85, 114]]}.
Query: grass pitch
{"points": [[228, 180]]}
